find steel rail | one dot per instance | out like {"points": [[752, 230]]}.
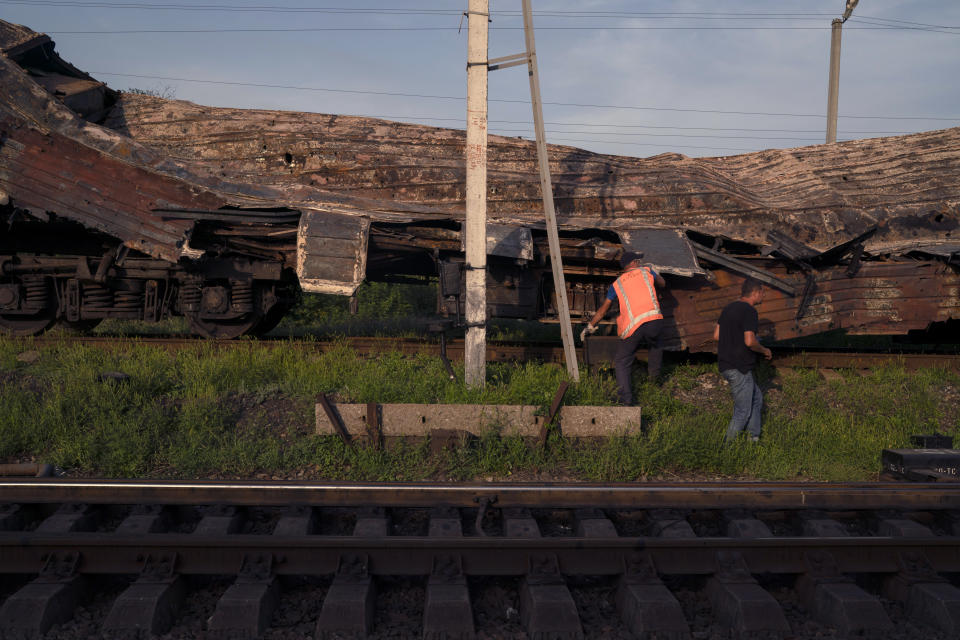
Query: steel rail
{"points": [[23, 552], [801, 357], [730, 495]]}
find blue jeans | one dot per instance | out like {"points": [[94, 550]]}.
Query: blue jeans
{"points": [[747, 404]]}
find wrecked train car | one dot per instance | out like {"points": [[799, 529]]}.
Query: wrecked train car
{"points": [[221, 214]]}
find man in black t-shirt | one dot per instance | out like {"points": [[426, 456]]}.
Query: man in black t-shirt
{"points": [[736, 332]]}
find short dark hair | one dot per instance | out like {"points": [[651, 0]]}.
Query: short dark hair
{"points": [[749, 286], [629, 256]]}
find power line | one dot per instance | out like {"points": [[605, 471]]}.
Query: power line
{"points": [[575, 14], [400, 118], [671, 135], [413, 11], [452, 28], [504, 100]]}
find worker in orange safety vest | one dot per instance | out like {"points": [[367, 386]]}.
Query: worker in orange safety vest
{"points": [[640, 321]]}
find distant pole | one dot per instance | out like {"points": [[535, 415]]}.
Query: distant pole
{"points": [[833, 92], [553, 238], [475, 344]]}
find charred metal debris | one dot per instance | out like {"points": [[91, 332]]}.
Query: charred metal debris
{"points": [[120, 205]]}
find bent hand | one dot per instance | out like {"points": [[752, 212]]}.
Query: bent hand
{"points": [[768, 354], [587, 330]]}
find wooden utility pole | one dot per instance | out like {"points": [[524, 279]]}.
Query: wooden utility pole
{"points": [[546, 185], [475, 344]]}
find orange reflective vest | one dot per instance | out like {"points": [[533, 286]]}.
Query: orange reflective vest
{"points": [[638, 300]]}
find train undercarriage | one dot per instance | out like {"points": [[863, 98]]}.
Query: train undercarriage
{"points": [[94, 277]]}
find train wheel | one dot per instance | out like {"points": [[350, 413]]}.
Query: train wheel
{"points": [[271, 319], [27, 325], [32, 292]]}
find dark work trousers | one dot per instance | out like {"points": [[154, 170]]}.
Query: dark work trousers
{"points": [[650, 333]]}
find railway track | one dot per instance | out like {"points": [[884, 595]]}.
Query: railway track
{"points": [[600, 350], [220, 559]]}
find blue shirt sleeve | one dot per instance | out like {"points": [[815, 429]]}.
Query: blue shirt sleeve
{"points": [[611, 293]]}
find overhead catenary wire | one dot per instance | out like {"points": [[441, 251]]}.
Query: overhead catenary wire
{"points": [[453, 29], [574, 14], [513, 101]]}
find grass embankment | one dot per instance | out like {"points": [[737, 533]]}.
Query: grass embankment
{"points": [[249, 412]]}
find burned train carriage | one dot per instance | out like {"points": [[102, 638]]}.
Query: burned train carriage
{"points": [[130, 206]]}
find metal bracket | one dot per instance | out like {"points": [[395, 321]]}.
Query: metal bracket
{"points": [[554, 409], [374, 426], [59, 567], [447, 569], [638, 568], [335, 419], [543, 569], [353, 567], [508, 61], [915, 567], [822, 568], [732, 568], [161, 568], [256, 567]]}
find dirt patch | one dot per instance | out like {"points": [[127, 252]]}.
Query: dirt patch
{"points": [[284, 417], [706, 391]]}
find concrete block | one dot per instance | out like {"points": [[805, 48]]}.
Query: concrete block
{"points": [[746, 607], [903, 528], [143, 520], [748, 528], [548, 611], [445, 523], [672, 528], [519, 523], [347, 610], [824, 528], [651, 611], [420, 419], [146, 607], [37, 606], [219, 520], [936, 604], [592, 523], [246, 608], [69, 518], [593, 422], [843, 605], [295, 521], [372, 523], [448, 613]]}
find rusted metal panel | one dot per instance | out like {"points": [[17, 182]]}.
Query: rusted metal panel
{"points": [[508, 241], [332, 252], [668, 250]]}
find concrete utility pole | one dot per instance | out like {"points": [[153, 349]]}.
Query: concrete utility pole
{"points": [[833, 91], [475, 344]]}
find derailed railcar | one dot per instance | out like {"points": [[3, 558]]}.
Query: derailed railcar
{"points": [[222, 215]]}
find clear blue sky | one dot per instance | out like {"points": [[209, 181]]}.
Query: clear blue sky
{"points": [[670, 67]]}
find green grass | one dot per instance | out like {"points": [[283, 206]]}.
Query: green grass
{"points": [[248, 412]]}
